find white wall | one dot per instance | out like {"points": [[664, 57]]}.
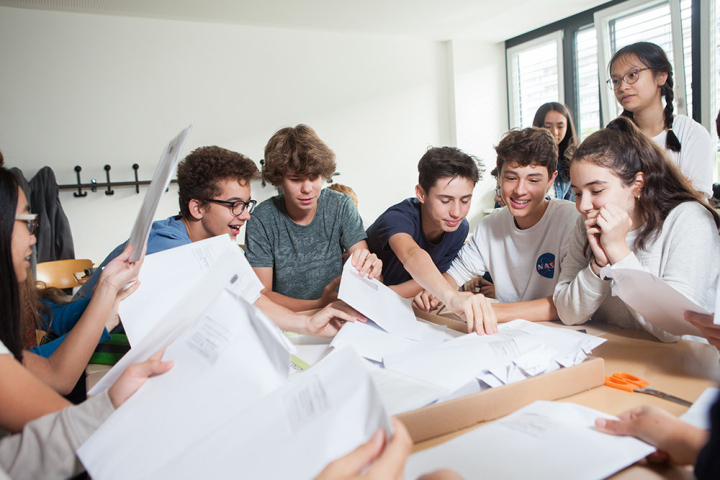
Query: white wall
{"points": [[481, 115], [92, 90]]}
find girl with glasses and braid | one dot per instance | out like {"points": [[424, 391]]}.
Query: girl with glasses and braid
{"points": [[641, 77]]}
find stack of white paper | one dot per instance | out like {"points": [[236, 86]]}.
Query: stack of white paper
{"points": [[545, 440]]}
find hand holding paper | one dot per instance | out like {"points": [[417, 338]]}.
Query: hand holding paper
{"points": [[657, 302]]}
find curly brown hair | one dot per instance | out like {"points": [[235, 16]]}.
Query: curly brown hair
{"points": [[298, 150], [200, 173], [529, 146]]}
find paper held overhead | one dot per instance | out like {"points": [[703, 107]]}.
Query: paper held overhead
{"points": [[658, 303], [161, 180], [379, 303]]}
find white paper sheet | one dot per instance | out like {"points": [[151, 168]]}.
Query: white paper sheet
{"points": [[223, 274], [457, 362], [401, 393], [545, 440], [374, 343], [231, 356], [167, 277], [570, 346], [379, 303], [294, 432], [699, 412], [658, 303], [158, 185]]}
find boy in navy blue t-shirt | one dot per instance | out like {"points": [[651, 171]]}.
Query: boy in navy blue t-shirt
{"points": [[418, 238]]}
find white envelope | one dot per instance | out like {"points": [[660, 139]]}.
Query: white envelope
{"points": [[231, 356], [169, 276], [222, 274], [160, 181], [657, 302], [292, 433], [379, 303]]}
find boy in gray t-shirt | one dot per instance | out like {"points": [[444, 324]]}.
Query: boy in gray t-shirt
{"points": [[295, 241]]}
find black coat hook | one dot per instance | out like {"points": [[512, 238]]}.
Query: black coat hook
{"points": [[79, 193], [109, 191], [137, 182]]}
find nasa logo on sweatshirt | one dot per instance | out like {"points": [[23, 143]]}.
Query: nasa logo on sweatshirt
{"points": [[545, 265]]}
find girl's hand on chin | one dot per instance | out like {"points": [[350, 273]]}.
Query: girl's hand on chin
{"points": [[614, 223]]}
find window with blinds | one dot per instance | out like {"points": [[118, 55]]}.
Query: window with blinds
{"points": [[535, 73]]}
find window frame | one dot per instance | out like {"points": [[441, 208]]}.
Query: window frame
{"points": [[511, 53]]}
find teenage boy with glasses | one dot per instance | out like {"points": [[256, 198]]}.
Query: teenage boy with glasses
{"points": [[214, 194]]}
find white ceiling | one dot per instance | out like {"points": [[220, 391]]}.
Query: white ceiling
{"points": [[489, 20]]}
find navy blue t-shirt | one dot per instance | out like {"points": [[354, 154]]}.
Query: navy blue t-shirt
{"points": [[405, 217]]}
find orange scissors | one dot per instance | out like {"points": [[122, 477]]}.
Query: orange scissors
{"points": [[631, 383]]}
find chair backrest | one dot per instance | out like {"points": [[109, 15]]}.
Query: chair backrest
{"points": [[61, 273]]}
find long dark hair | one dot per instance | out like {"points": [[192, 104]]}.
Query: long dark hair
{"points": [[567, 146], [623, 149], [9, 295], [657, 61]]}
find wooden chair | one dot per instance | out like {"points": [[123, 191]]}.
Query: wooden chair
{"points": [[61, 273]]}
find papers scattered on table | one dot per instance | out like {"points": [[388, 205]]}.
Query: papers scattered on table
{"points": [[545, 440], [657, 302], [520, 350], [228, 358], [160, 181], [379, 303], [169, 276], [374, 343]]}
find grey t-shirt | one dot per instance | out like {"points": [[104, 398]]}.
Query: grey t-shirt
{"points": [[304, 258]]}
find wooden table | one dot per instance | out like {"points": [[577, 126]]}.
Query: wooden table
{"points": [[684, 369]]}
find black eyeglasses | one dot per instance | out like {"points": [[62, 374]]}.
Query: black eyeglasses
{"points": [[31, 219], [237, 207], [630, 77]]}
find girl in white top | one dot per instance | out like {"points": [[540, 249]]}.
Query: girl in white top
{"points": [[640, 76], [638, 211]]}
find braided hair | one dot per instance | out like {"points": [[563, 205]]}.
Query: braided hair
{"points": [[654, 57]]}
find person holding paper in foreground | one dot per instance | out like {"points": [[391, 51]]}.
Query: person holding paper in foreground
{"points": [[419, 237], [46, 447], [297, 240], [522, 246], [639, 211], [61, 366], [215, 199]]}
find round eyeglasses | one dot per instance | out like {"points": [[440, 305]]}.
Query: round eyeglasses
{"points": [[31, 219], [630, 77], [237, 207]]}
